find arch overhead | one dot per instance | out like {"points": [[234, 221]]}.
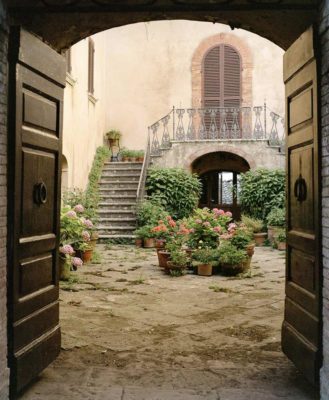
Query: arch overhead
{"points": [[209, 149], [62, 23], [199, 66]]}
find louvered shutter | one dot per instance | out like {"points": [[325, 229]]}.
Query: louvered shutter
{"points": [[222, 83]]}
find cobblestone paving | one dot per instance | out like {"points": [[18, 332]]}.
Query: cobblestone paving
{"points": [[132, 333]]}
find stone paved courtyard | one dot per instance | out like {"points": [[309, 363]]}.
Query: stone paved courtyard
{"points": [[129, 332]]}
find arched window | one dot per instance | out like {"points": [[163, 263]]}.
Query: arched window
{"points": [[221, 77]]}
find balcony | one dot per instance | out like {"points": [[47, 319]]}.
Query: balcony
{"points": [[217, 124]]}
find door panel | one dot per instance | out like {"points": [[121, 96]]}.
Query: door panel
{"points": [[302, 326], [36, 88]]}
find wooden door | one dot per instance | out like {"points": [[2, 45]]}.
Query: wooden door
{"points": [[36, 87], [302, 327]]}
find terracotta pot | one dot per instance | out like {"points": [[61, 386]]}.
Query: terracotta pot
{"points": [[163, 257], [205, 269], [132, 159], [281, 246], [250, 249], [172, 267], [231, 270], [125, 159], [85, 255], [139, 242], [260, 238], [149, 243], [160, 243], [271, 231], [64, 269], [140, 159]]}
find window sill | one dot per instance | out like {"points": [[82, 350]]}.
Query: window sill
{"points": [[92, 98], [70, 80]]}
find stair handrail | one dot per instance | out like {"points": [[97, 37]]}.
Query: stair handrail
{"points": [[145, 166]]}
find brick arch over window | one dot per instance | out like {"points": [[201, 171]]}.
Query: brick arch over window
{"points": [[246, 66]]}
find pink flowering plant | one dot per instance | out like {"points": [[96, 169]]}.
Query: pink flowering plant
{"points": [[206, 226]]}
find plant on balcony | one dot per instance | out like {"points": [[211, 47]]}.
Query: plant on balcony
{"points": [[175, 189]]}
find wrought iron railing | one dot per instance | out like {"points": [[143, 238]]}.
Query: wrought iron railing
{"points": [[191, 124], [143, 175]]}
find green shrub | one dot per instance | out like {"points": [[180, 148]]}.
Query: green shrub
{"points": [[92, 191], [229, 254], [254, 224], [149, 213], [261, 191], [175, 189], [276, 217]]}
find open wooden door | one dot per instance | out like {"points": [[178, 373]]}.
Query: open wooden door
{"points": [[302, 327], [36, 88]]}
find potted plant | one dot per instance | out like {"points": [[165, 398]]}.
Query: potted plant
{"points": [[276, 220], [145, 232], [113, 136], [204, 260], [84, 251], [280, 239], [257, 227], [242, 239], [124, 154], [177, 263], [65, 255], [232, 260], [140, 155]]}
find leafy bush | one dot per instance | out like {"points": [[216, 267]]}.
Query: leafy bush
{"points": [[255, 225], [92, 191], [281, 236], [229, 254], [175, 189], [149, 213], [276, 217], [261, 191], [241, 238]]}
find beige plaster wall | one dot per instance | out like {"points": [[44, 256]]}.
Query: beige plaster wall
{"points": [[85, 119], [149, 71], [141, 71]]}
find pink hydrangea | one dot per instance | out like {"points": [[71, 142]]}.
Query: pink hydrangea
{"points": [[85, 236], [192, 230], [206, 223], [77, 262], [228, 214], [231, 226], [67, 249], [218, 229], [88, 223], [71, 214], [79, 208], [198, 221]]}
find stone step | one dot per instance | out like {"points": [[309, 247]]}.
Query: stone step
{"points": [[117, 197], [118, 184], [104, 230], [110, 236], [123, 165], [122, 206], [127, 178], [122, 193], [111, 223], [105, 213], [118, 174]]}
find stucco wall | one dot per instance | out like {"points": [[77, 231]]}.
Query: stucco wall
{"points": [[149, 71], [324, 83], [4, 373], [85, 121], [256, 153]]}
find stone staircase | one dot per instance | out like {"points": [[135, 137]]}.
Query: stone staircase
{"points": [[118, 195]]}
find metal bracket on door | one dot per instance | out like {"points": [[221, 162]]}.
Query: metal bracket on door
{"points": [[40, 193], [300, 189]]}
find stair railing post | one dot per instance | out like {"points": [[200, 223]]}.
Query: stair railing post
{"points": [[173, 123]]}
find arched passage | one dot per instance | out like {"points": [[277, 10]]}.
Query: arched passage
{"points": [[219, 173]]}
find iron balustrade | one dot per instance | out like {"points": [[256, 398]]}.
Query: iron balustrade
{"points": [[222, 123], [143, 175]]}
